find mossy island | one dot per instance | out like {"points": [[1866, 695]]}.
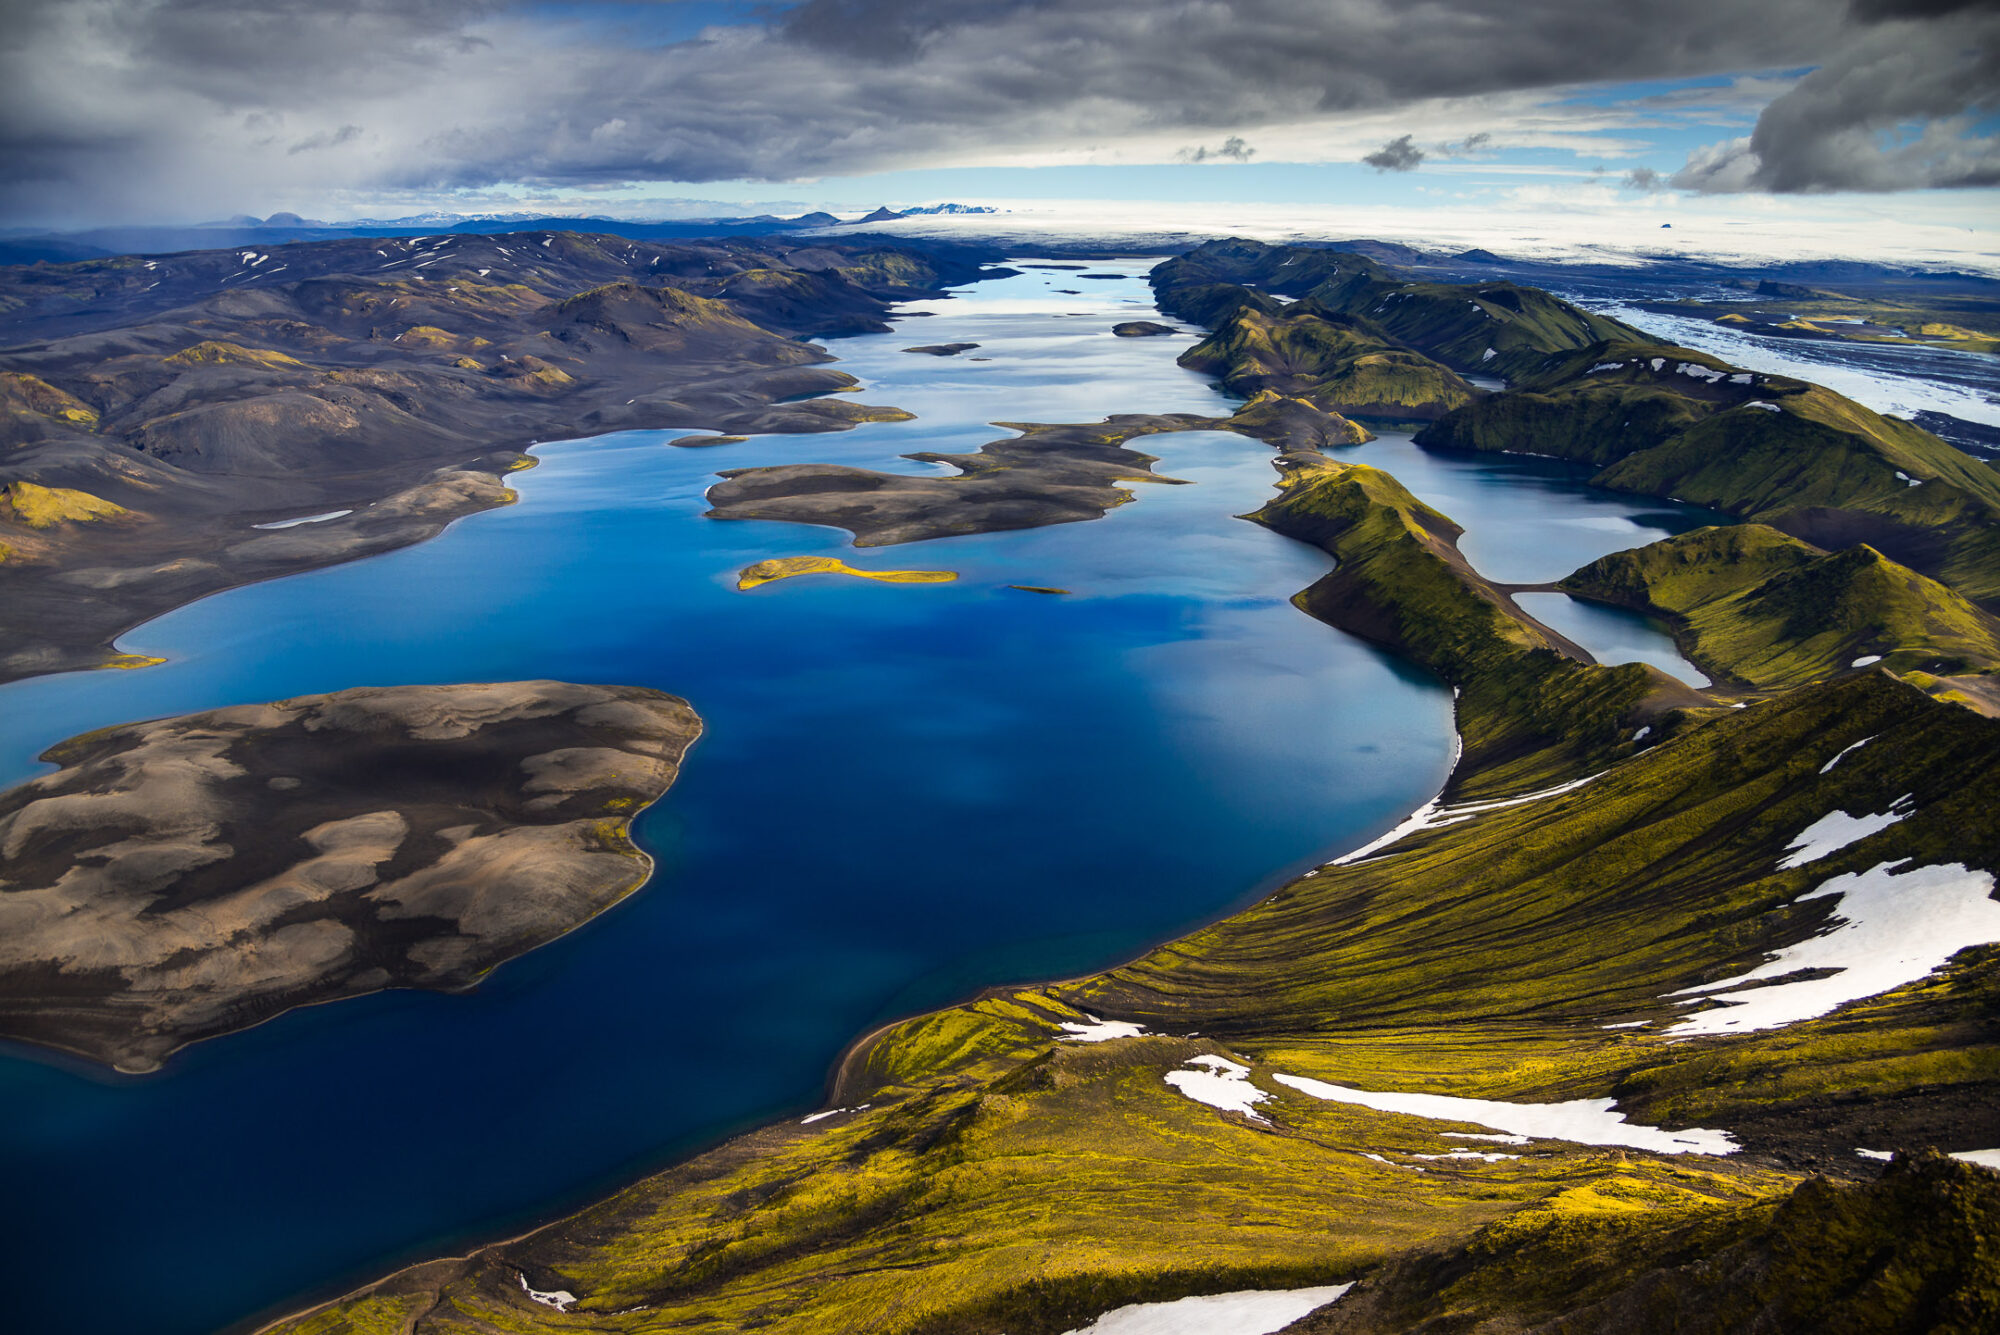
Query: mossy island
{"points": [[792, 567]]}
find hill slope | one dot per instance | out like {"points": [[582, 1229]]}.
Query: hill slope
{"points": [[1757, 606], [1668, 422]]}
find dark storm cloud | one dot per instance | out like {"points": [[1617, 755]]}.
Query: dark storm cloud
{"points": [[147, 106], [1875, 11], [1894, 110], [1400, 154]]}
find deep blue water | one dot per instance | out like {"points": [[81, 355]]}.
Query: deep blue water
{"points": [[1613, 634], [904, 793]]}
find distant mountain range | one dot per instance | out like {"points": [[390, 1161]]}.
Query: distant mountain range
{"points": [[280, 228]]}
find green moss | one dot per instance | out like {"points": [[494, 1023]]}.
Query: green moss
{"points": [[44, 507], [215, 352], [789, 567], [376, 1314], [1492, 328], [1336, 362], [1752, 604], [22, 394], [1910, 1252]]}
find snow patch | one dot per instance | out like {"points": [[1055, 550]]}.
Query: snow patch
{"points": [[1249, 1312], [1835, 831], [305, 519], [1605, 366], [1984, 1158], [560, 1299], [833, 1112], [1580, 1121], [1488, 355], [1095, 1030], [1476, 1135], [1851, 746], [1888, 930], [1225, 1085], [1767, 407], [1435, 815], [1875, 1154], [1643, 733], [1699, 372]]}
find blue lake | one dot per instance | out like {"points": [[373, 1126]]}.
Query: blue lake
{"points": [[905, 792]]}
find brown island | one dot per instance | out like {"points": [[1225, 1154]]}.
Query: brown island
{"points": [[196, 875]]}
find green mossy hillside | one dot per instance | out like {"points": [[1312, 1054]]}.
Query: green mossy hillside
{"points": [[1752, 604], [1527, 711], [41, 507], [30, 406], [1490, 328], [1334, 361], [1493, 328], [1910, 1252], [1664, 421], [217, 352], [1588, 906], [1215, 280]]}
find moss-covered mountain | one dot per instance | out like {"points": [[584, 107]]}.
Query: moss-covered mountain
{"points": [[1532, 705], [1665, 421], [1490, 328], [1754, 605], [1335, 361]]}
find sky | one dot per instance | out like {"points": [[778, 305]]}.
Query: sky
{"points": [[1852, 117]]}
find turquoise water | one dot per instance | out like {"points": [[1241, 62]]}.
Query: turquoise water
{"points": [[905, 792]]}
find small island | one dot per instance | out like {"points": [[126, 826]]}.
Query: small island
{"points": [[790, 567], [943, 349]]}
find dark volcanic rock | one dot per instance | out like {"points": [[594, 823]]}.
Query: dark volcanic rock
{"points": [[195, 875], [207, 392]]}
